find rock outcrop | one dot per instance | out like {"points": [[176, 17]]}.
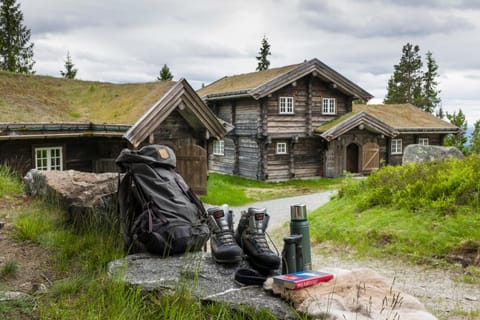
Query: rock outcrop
{"points": [[76, 192], [359, 294], [422, 153], [201, 276]]}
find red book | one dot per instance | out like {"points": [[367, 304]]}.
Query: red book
{"points": [[302, 279]]}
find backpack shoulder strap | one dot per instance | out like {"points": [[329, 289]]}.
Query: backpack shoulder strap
{"points": [[124, 198], [189, 193]]}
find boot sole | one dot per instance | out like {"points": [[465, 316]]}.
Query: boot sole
{"points": [[228, 261]]}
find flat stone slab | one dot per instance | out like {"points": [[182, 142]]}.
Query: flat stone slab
{"points": [[200, 275]]}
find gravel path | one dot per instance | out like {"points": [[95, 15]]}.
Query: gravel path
{"points": [[442, 291]]}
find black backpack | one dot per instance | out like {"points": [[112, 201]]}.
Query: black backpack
{"points": [[159, 212]]}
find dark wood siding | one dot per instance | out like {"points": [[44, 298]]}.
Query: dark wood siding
{"points": [[278, 165], [175, 132], [225, 163], [288, 124], [320, 90], [247, 117], [307, 93], [308, 160], [90, 154], [248, 157]]}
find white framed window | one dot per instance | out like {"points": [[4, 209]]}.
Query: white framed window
{"points": [[286, 105], [396, 146], [281, 148], [329, 106], [423, 141], [218, 147], [49, 158]]}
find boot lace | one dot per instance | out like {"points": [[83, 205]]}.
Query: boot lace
{"points": [[225, 237], [260, 242]]}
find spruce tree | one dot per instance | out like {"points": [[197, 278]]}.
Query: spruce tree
{"points": [[70, 72], [16, 51], [165, 74], [459, 140], [405, 85], [475, 138], [430, 93], [263, 53]]}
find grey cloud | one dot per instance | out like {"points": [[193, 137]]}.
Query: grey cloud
{"points": [[367, 22]]}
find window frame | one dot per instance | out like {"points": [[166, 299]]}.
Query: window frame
{"points": [[423, 141], [327, 107], [286, 105], [396, 146], [218, 147], [281, 148], [49, 161]]}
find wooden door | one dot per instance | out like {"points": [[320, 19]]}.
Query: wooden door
{"points": [[192, 166], [370, 157]]}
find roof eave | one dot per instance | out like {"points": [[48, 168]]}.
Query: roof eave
{"points": [[318, 68], [356, 120], [180, 93]]}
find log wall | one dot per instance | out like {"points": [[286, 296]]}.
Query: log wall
{"points": [[89, 154]]}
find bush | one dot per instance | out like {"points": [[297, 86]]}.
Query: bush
{"points": [[442, 186]]}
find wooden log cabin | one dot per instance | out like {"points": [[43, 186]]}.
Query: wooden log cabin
{"points": [[57, 124], [299, 121]]}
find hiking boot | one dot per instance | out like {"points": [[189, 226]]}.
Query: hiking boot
{"points": [[224, 248], [250, 235]]}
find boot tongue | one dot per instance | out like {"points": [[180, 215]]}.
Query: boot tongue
{"points": [[259, 217], [221, 220]]}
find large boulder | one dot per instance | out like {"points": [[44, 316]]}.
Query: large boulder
{"points": [[358, 294], [422, 153], [198, 274], [351, 295], [75, 191]]}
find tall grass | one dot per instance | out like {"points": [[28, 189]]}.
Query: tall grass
{"points": [[9, 182], [81, 288], [423, 212]]}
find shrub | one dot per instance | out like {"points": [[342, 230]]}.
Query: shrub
{"points": [[442, 186]]}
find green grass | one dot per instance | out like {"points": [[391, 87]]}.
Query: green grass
{"points": [[421, 212], [83, 290], [237, 191], [10, 184], [9, 269]]}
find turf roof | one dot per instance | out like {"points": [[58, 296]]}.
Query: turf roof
{"points": [[243, 82], [44, 99], [398, 116]]}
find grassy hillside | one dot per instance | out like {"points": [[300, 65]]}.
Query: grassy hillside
{"points": [[60, 100], [421, 212]]}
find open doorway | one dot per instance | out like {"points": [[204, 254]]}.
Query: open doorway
{"points": [[352, 158]]}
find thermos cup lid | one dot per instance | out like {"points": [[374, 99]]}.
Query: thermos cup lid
{"points": [[298, 211]]}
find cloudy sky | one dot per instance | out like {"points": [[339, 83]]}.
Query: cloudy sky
{"points": [[130, 40]]}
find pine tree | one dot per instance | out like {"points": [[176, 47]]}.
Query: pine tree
{"points": [[475, 138], [440, 113], [430, 94], [165, 74], [264, 52], [16, 51], [70, 72], [405, 85], [459, 140]]}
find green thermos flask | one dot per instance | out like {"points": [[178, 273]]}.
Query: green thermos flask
{"points": [[299, 225]]}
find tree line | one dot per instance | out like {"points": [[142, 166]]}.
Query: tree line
{"points": [[410, 82]]}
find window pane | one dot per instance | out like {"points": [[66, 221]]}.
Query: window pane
{"points": [[48, 158]]}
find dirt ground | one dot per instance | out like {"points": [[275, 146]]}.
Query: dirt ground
{"points": [[442, 291], [34, 263]]}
